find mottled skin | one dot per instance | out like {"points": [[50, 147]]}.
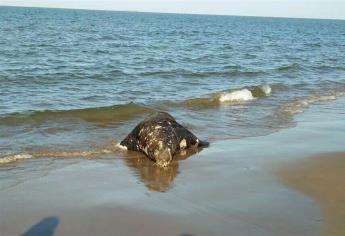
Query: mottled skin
{"points": [[159, 136]]}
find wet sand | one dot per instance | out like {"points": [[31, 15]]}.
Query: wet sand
{"points": [[201, 196], [322, 178], [215, 192], [225, 189]]}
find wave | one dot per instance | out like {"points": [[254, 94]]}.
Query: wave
{"points": [[313, 45], [108, 114], [9, 158], [230, 97], [243, 94], [323, 67], [203, 74], [240, 95], [299, 105], [326, 67], [74, 153], [120, 113], [293, 66], [246, 94], [280, 115], [14, 158]]}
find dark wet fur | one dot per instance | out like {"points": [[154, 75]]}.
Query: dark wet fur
{"points": [[156, 128]]}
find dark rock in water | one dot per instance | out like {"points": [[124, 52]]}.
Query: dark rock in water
{"points": [[159, 136]]}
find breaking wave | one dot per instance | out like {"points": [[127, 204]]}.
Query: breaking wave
{"points": [[298, 105], [13, 158], [59, 154], [246, 94], [230, 97], [120, 113], [240, 95], [278, 113]]}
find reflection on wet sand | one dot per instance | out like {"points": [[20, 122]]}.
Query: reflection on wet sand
{"points": [[154, 177]]}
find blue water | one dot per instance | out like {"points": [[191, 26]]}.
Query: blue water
{"points": [[78, 79]]}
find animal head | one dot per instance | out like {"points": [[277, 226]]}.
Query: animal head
{"points": [[162, 154]]}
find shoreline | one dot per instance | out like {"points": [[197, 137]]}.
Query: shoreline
{"points": [[229, 187], [271, 107]]}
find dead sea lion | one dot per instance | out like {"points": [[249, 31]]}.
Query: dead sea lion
{"points": [[159, 137]]}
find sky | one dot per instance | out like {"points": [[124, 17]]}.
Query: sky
{"points": [[326, 9]]}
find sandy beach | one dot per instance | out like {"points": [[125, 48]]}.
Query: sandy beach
{"points": [[267, 93], [320, 177], [269, 185]]}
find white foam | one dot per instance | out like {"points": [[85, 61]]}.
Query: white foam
{"points": [[119, 146], [266, 89], [300, 105], [13, 158], [236, 96]]}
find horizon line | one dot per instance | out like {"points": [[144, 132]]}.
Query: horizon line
{"points": [[177, 13]]}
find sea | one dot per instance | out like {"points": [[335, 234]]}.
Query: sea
{"points": [[73, 83]]}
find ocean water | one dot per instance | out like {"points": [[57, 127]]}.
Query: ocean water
{"points": [[75, 82]]}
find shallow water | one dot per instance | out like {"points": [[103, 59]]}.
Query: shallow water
{"points": [[78, 81], [225, 188]]}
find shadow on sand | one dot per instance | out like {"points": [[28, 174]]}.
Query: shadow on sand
{"points": [[157, 178], [45, 227]]}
